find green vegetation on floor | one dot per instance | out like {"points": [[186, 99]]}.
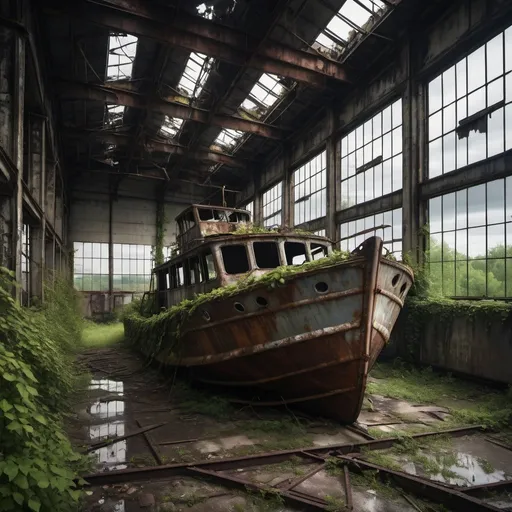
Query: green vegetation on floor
{"points": [[37, 377], [469, 403], [102, 335]]}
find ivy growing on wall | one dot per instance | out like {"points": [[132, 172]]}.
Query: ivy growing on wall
{"points": [[161, 221], [37, 462]]}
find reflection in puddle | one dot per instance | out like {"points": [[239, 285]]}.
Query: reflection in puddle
{"points": [[111, 456], [107, 409], [111, 386], [111, 506], [100, 432]]}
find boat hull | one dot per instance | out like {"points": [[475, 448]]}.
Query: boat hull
{"points": [[309, 342]]}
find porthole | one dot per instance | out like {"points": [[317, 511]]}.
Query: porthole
{"points": [[262, 302], [206, 315], [321, 287], [394, 282], [239, 307]]}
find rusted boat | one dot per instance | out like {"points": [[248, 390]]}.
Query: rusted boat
{"points": [[309, 341]]}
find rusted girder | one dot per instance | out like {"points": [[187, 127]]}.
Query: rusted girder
{"points": [[123, 140], [110, 94], [198, 34]]}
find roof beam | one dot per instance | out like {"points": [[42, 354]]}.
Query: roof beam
{"points": [[80, 90], [123, 140], [198, 34]]}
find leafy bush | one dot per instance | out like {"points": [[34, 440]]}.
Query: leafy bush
{"points": [[37, 462]]}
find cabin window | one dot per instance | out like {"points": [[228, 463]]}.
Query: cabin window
{"points": [[167, 280], [266, 254], [235, 259], [188, 221], [211, 273], [238, 217], [172, 277], [295, 253], [208, 215], [318, 251], [194, 271]]}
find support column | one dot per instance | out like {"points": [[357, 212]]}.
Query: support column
{"points": [[19, 107], [49, 258], [333, 163], [111, 252], [258, 207], [287, 201], [413, 112], [37, 173]]}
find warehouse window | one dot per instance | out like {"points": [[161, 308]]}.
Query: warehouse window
{"points": [[371, 158], [320, 232], [196, 72], [250, 208], [272, 205], [25, 265], [386, 225], [132, 267], [470, 253], [91, 266], [470, 108], [309, 190]]}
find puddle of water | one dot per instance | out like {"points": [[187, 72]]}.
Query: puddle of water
{"points": [[112, 456], [112, 386], [107, 505], [100, 432], [477, 462], [107, 409]]}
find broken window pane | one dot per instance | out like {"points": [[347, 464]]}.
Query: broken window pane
{"points": [[235, 259], [266, 254], [295, 253], [318, 251], [210, 266]]}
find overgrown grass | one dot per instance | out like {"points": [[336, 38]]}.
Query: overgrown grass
{"points": [[37, 378], [478, 404], [102, 335]]}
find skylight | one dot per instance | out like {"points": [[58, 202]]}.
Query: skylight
{"points": [[196, 72], [114, 115], [171, 127], [121, 54], [266, 91], [228, 138], [347, 22]]}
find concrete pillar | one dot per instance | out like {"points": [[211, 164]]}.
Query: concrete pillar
{"points": [[258, 206], [49, 258], [413, 113], [333, 163], [36, 146], [12, 95], [59, 205], [287, 201], [6, 231], [50, 192]]}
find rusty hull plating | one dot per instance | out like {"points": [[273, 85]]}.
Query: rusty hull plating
{"points": [[309, 342]]}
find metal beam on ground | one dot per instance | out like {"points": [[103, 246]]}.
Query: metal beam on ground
{"points": [[121, 139], [204, 36], [96, 92]]}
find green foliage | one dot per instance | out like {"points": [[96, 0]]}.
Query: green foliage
{"points": [[152, 334], [161, 221], [102, 335], [37, 462], [334, 504]]}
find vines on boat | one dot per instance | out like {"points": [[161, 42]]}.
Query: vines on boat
{"points": [[148, 333], [37, 375]]}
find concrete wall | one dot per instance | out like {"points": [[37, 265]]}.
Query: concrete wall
{"points": [[476, 345]]}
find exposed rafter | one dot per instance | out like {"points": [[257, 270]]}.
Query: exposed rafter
{"points": [[204, 36], [123, 140], [110, 94]]}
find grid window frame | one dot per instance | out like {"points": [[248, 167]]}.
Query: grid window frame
{"points": [[461, 232], [132, 267], [372, 157], [272, 201], [471, 88], [250, 208], [310, 189], [391, 236], [91, 266]]}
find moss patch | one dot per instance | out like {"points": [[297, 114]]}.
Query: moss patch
{"points": [[102, 335]]}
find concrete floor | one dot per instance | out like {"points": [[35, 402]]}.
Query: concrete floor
{"points": [[125, 395]]}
